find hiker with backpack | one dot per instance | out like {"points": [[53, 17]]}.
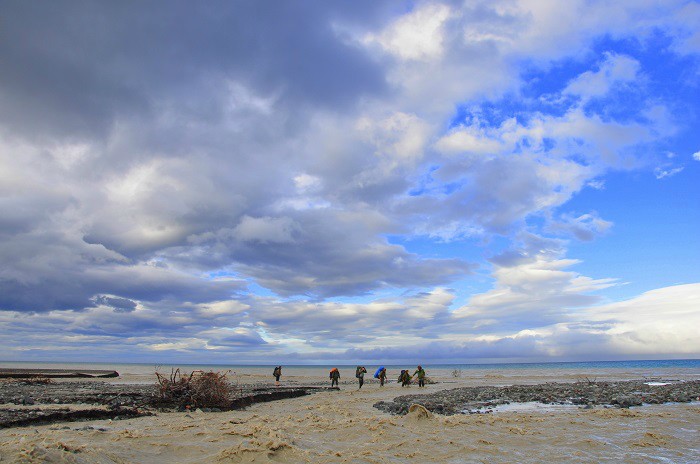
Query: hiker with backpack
{"points": [[405, 378], [276, 374], [382, 376], [334, 376], [420, 372], [360, 374]]}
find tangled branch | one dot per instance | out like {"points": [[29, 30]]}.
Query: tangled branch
{"points": [[198, 389]]}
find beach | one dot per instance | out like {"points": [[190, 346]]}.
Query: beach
{"points": [[345, 426]]}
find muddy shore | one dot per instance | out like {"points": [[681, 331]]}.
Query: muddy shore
{"points": [[34, 401]]}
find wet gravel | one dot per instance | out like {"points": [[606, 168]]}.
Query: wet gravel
{"points": [[585, 394], [42, 401], [27, 392]]}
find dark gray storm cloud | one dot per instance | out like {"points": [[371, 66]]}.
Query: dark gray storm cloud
{"points": [[120, 305], [72, 68], [52, 273], [320, 253], [142, 136]]}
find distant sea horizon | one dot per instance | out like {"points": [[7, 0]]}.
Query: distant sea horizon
{"points": [[608, 364]]}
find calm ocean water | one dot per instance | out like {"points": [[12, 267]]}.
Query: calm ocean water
{"points": [[647, 364]]}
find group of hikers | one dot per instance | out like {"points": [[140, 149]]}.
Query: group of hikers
{"points": [[404, 378]]}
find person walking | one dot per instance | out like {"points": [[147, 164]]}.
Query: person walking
{"points": [[405, 378], [420, 372], [277, 373], [382, 377], [360, 374], [334, 376]]}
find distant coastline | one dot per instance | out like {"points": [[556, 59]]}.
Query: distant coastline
{"points": [[648, 363]]}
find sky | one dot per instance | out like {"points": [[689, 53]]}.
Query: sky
{"points": [[340, 182]]}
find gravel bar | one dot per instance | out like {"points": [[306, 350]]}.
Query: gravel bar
{"points": [[586, 394]]}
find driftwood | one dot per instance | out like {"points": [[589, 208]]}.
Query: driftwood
{"points": [[198, 389]]}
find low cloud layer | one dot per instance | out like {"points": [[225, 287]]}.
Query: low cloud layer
{"points": [[258, 179]]}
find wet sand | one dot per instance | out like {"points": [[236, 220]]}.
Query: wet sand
{"points": [[343, 426]]}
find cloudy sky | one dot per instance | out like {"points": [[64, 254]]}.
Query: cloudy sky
{"points": [[327, 181]]}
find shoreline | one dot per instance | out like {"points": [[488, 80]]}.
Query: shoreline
{"points": [[45, 401]]}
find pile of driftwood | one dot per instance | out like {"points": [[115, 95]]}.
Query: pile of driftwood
{"points": [[199, 389]]}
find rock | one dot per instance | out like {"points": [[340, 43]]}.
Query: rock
{"points": [[418, 412], [627, 401], [28, 400]]}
